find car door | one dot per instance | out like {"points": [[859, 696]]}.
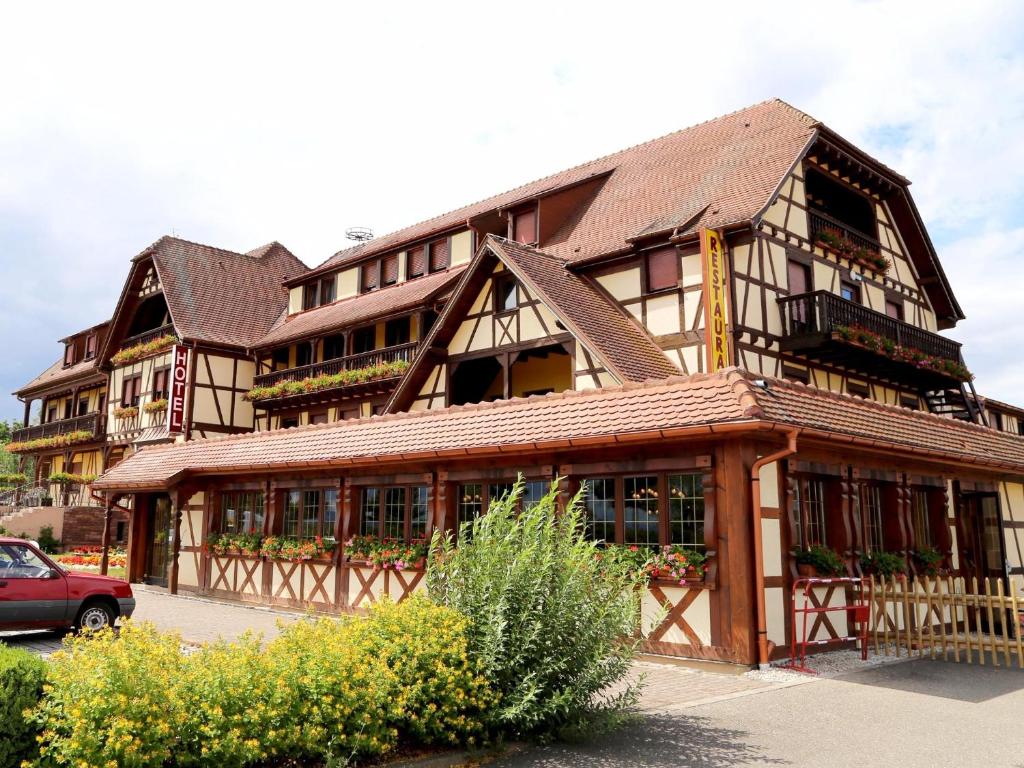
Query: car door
{"points": [[33, 593]]}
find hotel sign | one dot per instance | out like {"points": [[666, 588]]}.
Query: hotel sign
{"points": [[179, 388], [716, 291]]}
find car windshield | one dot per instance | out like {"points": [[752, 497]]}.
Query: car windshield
{"points": [[17, 561]]}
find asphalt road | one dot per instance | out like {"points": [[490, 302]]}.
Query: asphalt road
{"points": [[921, 713]]}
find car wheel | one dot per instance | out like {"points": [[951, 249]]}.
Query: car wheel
{"points": [[94, 617]]}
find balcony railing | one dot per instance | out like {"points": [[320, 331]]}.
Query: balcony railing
{"points": [[148, 336], [821, 222], [91, 422], [403, 352]]}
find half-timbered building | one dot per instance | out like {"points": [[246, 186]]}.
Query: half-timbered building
{"points": [[729, 336]]}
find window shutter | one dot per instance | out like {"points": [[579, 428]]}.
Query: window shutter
{"points": [[370, 276], [524, 226], [69, 354], [439, 256], [417, 261], [390, 269], [662, 269], [799, 278]]}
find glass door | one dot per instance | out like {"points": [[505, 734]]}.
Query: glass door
{"points": [[982, 551], [158, 544]]}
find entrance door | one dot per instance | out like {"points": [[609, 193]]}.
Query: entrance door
{"points": [[158, 542], [982, 547]]}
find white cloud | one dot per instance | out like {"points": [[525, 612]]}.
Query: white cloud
{"points": [[238, 123]]}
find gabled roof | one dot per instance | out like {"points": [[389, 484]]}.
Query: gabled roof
{"points": [[214, 295], [57, 375], [619, 343], [700, 405], [713, 174], [359, 309]]}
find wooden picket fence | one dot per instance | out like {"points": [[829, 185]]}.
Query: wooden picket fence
{"points": [[954, 619]]}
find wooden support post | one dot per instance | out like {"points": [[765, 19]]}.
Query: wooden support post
{"points": [[172, 582], [108, 514]]}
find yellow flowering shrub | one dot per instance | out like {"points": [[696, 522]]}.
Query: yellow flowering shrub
{"points": [[21, 685], [439, 694], [328, 689], [109, 700]]}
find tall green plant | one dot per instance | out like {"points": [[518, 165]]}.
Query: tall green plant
{"points": [[552, 624]]}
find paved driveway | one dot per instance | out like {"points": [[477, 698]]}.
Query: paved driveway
{"points": [[920, 713]]}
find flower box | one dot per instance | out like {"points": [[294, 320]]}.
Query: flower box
{"points": [[129, 412], [840, 244], [141, 351], [156, 406], [386, 554], [328, 381], [857, 336], [57, 441]]}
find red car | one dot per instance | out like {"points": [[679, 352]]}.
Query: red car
{"points": [[36, 593]]}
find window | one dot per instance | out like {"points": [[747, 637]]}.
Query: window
{"points": [[327, 290], [996, 420], [389, 270], [809, 511], [280, 358], [524, 226], [364, 340], [334, 347], [922, 525], [289, 421], [686, 510], [506, 293], [910, 401], [471, 503], [894, 309], [416, 262], [599, 504], [160, 384], [311, 513], [90, 346], [662, 269], [641, 509], [859, 389], [309, 296], [397, 331], [395, 512], [796, 374], [69, 354], [68, 408], [131, 391], [19, 562], [303, 354], [440, 255], [242, 512], [849, 291], [83, 405], [871, 514], [318, 418], [799, 277], [51, 414], [369, 276]]}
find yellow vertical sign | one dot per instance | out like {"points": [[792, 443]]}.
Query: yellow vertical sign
{"points": [[716, 291]]}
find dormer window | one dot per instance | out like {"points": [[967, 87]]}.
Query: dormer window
{"points": [[661, 269], [416, 265], [69, 354], [369, 276], [309, 296], [327, 290], [90, 346], [389, 269], [440, 255], [524, 226]]}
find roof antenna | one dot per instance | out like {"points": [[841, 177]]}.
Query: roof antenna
{"points": [[359, 234]]}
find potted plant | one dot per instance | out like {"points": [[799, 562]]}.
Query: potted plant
{"points": [[883, 564], [819, 560], [928, 560]]}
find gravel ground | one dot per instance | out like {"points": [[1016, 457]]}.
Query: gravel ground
{"points": [[826, 665]]}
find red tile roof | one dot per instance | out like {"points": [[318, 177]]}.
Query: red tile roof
{"points": [[57, 375], [709, 175], [652, 411], [219, 296], [359, 309], [603, 326]]}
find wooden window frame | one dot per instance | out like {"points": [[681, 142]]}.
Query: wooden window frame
{"points": [[70, 354], [323, 526], [259, 511], [800, 512], [648, 287], [131, 399], [82, 400], [310, 296], [854, 288], [389, 325], [663, 487], [491, 489], [410, 491], [410, 259], [501, 281], [372, 329], [90, 346], [384, 268], [327, 290], [365, 286], [513, 220], [868, 490], [161, 394], [448, 255]]}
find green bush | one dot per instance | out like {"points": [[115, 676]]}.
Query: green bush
{"points": [[827, 561], [47, 541], [883, 563], [550, 621], [21, 685]]}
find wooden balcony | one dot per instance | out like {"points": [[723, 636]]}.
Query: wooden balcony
{"points": [[91, 422], [147, 336], [818, 325], [819, 222], [400, 352]]}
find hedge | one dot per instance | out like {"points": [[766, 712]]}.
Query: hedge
{"points": [[21, 684]]}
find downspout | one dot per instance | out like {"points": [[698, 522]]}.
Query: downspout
{"points": [[755, 492]]}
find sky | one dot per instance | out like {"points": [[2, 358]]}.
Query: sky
{"points": [[235, 124]]}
